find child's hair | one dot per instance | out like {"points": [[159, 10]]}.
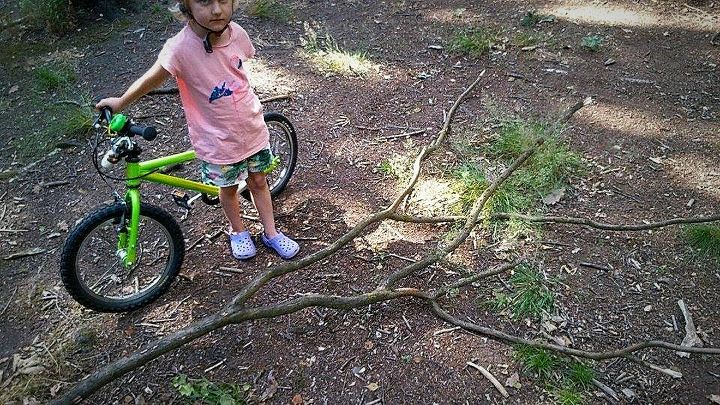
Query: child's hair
{"points": [[181, 9]]}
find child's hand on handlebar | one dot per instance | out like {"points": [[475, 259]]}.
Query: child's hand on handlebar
{"points": [[115, 104]]}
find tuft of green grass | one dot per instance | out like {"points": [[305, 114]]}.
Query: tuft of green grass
{"points": [[549, 168], [327, 56], [530, 296], [270, 9], [703, 237], [162, 13], [592, 42], [207, 392], [523, 39], [473, 42], [54, 76], [567, 381], [580, 374], [532, 18], [568, 395], [470, 184], [399, 166], [63, 122], [58, 16], [537, 361]]}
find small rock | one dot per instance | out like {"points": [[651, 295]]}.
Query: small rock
{"points": [[648, 308]]}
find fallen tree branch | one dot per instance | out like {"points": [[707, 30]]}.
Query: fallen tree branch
{"points": [[212, 322], [504, 216], [605, 226], [623, 352]]}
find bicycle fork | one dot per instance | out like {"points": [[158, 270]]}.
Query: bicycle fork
{"points": [[128, 232]]}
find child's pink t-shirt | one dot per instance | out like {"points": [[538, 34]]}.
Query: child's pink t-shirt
{"points": [[224, 116]]}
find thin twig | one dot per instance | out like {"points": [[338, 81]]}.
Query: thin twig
{"points": [[9, 301], [490, 377], [610, 394], [605, 226]]}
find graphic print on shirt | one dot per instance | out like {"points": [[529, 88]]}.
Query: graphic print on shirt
{"points": [[219, 92]]}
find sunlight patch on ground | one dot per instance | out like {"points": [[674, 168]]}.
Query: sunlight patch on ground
{"points": [[387, 233], [622, 16], [632, 122], [269, 81], [453, 15], [433, 197], [342, 63], [697, 172]]}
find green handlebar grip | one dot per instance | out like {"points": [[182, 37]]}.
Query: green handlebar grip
{"points": [[118, 122]]}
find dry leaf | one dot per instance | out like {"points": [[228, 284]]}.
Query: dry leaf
{"points": [[513, 381], [656, 160], [13, 89], [372, 387], [297, 399], [555, 196]]}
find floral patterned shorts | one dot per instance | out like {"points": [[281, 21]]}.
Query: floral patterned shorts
{"points": [[232, 174]]}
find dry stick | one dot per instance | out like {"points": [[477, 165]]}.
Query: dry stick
{"points": [[490, 378], [667, 371], [612, 396], [604, 226], [13, 23], [469, 280], [155, 349], [505, 338], [9, 301], [561, 220]]}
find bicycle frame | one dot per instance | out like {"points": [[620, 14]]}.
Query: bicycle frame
{"points": [[146, 171]]}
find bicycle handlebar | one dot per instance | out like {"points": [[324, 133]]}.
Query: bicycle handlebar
{"points": [[146, 132]]}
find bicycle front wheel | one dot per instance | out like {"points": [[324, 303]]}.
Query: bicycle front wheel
{"points": [[92, 265]]}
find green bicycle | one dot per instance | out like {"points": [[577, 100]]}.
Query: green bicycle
{"points": [[123, 256]]}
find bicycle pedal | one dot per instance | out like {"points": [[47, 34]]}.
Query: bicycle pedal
{"points": [[181, 199]]}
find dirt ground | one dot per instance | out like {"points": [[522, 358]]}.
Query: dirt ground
{"points": [[650, 140]]}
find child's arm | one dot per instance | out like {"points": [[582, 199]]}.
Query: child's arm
{"points": [[152, 79]]}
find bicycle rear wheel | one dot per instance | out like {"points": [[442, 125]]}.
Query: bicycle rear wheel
{"points": [[283, 144], [92, 266]]}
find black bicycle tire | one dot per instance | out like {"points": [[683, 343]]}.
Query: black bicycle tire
{"points": [[68, 270], [280, 187]]}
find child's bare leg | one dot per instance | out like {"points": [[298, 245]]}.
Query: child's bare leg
{"points": [[231, 207], [257, 184]]}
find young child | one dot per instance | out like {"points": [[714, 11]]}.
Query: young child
{"points": [[224, 116]]}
